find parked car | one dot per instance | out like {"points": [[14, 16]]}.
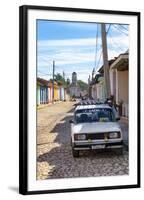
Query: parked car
{"points": [[95, 127]]}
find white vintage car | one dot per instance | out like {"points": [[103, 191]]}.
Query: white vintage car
{"points": [[95, 127]]}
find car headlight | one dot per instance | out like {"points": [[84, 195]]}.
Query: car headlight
{"points": [[80, 137], [113, 135]]}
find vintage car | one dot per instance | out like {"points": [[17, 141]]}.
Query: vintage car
{"points": [[95, 127]]}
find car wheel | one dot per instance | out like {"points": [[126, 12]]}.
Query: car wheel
{"points": [[75, 153]]}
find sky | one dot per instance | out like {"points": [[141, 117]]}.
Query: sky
{"points": [[76, 46]]}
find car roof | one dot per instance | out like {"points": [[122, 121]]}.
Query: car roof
{"points": [[81, 107]]}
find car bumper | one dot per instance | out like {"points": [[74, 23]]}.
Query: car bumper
{"points": [[100, 145]]}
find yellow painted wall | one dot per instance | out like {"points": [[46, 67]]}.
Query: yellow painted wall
{"points": [[56, 93]]}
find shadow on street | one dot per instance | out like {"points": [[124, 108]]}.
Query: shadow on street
{"points": [[61, 163]]}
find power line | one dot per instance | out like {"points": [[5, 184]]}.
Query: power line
{"points": [[44, 59], [44, 73], [96, 54], [99, 59], [119, 29], [108, 29], [115, 44], [123, 27]]}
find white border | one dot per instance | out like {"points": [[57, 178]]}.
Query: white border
{"points": [[33, 184]]}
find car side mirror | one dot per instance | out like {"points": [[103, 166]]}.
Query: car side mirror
{"points": [[117, 118], [71, 121]]}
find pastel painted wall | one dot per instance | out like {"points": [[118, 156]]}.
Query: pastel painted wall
{"points": [[49, 94], [122, 90], [56, 93], [38, 94], [123, 86], [62, 93], [43, 94]]}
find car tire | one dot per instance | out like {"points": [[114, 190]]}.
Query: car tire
{"points": [[75, 153]]}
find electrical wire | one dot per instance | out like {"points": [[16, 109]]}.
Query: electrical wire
{"points": [[108, 29], [114, 43], [119, 29], [123, 27], [44, 59], [100, 56], [44, 73]]}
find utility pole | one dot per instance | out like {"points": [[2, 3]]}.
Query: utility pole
{"points": [[53, 81], [105, 60]]}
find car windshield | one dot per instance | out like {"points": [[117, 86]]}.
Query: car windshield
{"points": [[94, 115]]}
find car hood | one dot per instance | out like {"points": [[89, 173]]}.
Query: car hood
{"points": [[96, 127]]}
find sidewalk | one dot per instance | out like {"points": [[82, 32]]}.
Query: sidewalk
{"points": [[48, 104]]}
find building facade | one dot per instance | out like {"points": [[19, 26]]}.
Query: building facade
{"points": [[119, 83], [42, 91], [74, 90], [119, 75], [50, 93]]}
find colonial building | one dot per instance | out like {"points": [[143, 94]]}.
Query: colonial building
{"points": [[42, 91], [45, 92], [119, 77], [98, 87], [50, 92], [74, 89]]}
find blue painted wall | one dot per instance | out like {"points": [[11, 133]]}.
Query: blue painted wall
{"points": [[43, 94]]}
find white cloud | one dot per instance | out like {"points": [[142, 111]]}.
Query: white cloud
{"points": [[72, 56], [78, 52], [67, 42], [121, 39]]}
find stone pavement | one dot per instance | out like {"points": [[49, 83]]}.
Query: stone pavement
{"points": [[54, 156]]}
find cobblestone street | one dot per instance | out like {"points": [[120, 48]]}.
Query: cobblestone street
{"points": [[54, 156]]}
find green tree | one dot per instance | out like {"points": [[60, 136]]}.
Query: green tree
{"points": [[82, 85], [60, 79]]}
